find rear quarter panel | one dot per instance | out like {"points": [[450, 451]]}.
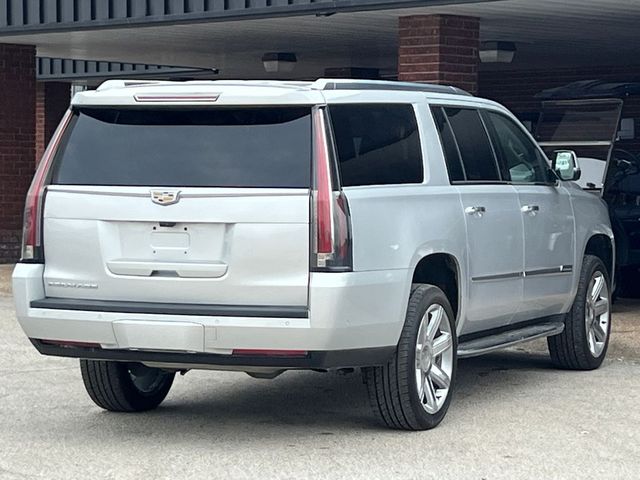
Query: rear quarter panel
{"points": [[395, 226]]}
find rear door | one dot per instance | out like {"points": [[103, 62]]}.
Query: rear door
{"points": [[492, 214], [181, 205]]}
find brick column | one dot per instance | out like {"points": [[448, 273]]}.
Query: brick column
{"points": [[439, 49], [52, 100], [17, 141]]}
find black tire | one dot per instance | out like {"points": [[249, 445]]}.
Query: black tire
{"points": [[392, 388], [111, 385], [570, 349]]}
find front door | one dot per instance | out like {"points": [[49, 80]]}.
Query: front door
{"points": [[547, 219], [549, 245]]}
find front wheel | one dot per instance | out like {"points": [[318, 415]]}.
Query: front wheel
{"points": [[583, 343], [413, 391], [125, 387]]}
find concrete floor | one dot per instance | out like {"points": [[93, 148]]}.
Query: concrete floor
{"points": [[513, 417]]}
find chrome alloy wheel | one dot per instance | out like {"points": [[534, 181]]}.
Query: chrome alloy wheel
{"points": [[597, 314], [434, 358]]}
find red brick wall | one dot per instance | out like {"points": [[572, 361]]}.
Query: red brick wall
{"points": [[40, 121], [17, 141], [439, 49], [52, 100]]}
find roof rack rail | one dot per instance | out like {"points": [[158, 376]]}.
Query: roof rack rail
{"points": [[391, 85]]}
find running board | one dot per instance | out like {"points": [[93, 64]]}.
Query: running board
{"points": [[479, 346]]}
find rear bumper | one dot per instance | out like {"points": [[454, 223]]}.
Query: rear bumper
{"points": [[353, 319], [310, 360]]}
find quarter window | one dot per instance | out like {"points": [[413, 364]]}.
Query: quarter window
{"points": [[377, 144], [473, 143], [449, 147]]}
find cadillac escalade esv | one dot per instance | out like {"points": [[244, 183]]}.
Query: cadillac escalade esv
{"points": [[336, 224]]}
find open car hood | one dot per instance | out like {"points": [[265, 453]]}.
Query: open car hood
{"points": [[588, 127]]}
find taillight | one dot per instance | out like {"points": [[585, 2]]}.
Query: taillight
{"points": [[331, 223], [32, 226], [71, 344]]}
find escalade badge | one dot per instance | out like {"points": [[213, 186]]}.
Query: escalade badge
{"points": [[165, 197]]}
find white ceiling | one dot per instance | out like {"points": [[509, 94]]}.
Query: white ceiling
{"points": [[546, 32]]}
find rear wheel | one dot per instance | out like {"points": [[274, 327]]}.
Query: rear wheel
{"points": [[125, 387], [583, 343], [413, 391]]}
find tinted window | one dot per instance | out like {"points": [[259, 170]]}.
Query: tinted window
{"points": [[473, 142], [377, 144], [249, 147], [520, 157], [449, 147]]}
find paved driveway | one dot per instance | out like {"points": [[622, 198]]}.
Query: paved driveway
{"points": [[513, 417]]}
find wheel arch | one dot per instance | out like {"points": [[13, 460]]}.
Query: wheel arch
{"points": [[442, 270], [601, 246]]}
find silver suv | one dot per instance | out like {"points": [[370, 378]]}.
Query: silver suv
{"points": [[338, 224]]}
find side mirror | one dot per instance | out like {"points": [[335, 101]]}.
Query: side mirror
{"points": [[565, 164]]}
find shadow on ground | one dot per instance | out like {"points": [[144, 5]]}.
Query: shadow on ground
{"points": [[224, 404]]}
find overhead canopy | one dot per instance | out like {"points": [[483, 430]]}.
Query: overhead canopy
{"points": [[233, 35], [67, 69]]}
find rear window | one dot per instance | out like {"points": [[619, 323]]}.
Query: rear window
{"points": [[378, 144], [224, 147]]}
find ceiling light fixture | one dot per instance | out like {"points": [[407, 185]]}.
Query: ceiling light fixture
{"points": [[497, 52], [279, 62]]}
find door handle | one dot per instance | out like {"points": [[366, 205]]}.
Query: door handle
{"points": [[478, 210], [531, 209]]}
